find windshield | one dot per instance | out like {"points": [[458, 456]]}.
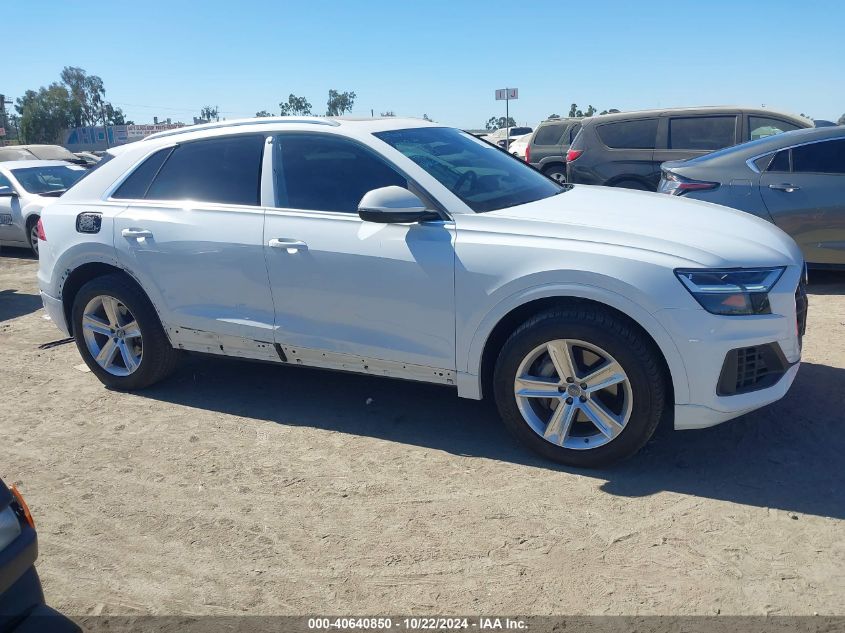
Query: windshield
{"points": [[484, 177], [41, 180]]}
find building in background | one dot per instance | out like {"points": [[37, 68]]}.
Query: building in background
{"points": [[93, 137]]}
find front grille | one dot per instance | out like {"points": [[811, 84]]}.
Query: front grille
{"points": [[751, 368]]}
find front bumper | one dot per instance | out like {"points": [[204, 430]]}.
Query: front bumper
{"points": [[56, 311], [704, 341]]}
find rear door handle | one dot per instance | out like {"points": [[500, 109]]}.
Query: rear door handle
{"points": [[136, 233], [788, 188], [289, 244]]}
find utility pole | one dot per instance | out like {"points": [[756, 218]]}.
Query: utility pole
{"points": [[4, 121]]}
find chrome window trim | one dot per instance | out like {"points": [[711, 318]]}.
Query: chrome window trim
{"points": [[753, 167]]}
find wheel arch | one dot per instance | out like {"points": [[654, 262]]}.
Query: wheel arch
{"points": [[81, 275], [510, 314]]}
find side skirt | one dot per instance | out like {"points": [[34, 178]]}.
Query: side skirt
{"points": [[226, 345]]}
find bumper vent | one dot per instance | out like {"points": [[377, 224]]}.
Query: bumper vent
{"points": [[751, 368], [801, 305]]}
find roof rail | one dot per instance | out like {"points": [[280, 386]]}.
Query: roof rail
{"points": [[240, 122]]}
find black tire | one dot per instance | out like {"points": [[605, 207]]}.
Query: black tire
{"points": [[606, 330], [556, 173], [31, 222], [159, 358]]}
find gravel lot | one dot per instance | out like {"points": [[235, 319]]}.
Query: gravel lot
{"points": [[237, 487]]}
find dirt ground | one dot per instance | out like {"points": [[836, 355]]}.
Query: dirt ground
{"points": [[238, 487]]}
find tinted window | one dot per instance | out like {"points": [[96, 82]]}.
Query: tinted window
{"points": [[550, 134], [763, 126], [574, 132], [324, 173], [5, 184], [483, 177], [519, 131], [46, 179], [827, 157], [639, 134], [780, 162], [222, 170], [702, 132], [136, 185]]}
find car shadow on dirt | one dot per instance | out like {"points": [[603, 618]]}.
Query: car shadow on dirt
{"points": [[14, 304], [786, 456]]}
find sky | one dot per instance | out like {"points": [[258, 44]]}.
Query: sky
{"points": [[440, 58]]}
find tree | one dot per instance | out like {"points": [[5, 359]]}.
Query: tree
{"points": [[339, 103], [295, 106], [552, 116], [210, 113], [425, 117], [496, 123], [611, 111], [388, 113], [263, 113], [573, 109], [44, 114], [841, 120]]}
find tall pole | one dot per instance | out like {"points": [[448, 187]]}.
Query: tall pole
{"points": [[507, 118]]}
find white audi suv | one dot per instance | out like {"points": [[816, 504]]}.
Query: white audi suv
{"points": [[406, 249]]}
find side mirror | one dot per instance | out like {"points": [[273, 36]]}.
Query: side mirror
{"points": [[393, 205]]}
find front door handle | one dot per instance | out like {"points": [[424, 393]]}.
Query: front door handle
{"points": [[136, 233], [788, 188], [289, 244]]}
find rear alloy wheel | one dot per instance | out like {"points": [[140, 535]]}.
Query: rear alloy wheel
{"points": [[32, 234], [581, 386], [118, 334], [556, 173]]}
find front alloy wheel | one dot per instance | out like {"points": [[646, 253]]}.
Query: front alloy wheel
{"points": [[581, 385], [573, 394]]}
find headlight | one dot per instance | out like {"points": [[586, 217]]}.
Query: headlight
{"points": [[731, 292], [10, 527]]}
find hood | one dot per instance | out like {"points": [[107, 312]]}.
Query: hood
{"points": [[700, 233]]}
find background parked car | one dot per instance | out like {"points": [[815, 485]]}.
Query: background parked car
{"points": [[40, 152], [500, 137], [626, 149], [26, 186], [22, 605], [519, 145], [796, 180], [89, 158], [549, 144]]}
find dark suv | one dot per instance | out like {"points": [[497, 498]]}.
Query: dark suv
{"points": [[627, 148], [549, 144]]}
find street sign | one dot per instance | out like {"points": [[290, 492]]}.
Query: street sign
{"points": [[506, 94]]}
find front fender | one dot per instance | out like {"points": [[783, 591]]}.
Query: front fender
{"points": [[469, 356]]}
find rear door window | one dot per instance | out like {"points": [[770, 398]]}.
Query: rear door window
{"points": [[636, 134], [780, 162], [220, 170], [825, 157], [702, 132], [573, 132], [550, 134], [763, 126]]}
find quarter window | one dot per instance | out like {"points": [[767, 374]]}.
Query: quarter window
{"points": [[763, 126], [780, 162], [550, 134], [637, 134], [136, 185], [702, 132], [319, 172], [826, 157], [221, 170]]}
